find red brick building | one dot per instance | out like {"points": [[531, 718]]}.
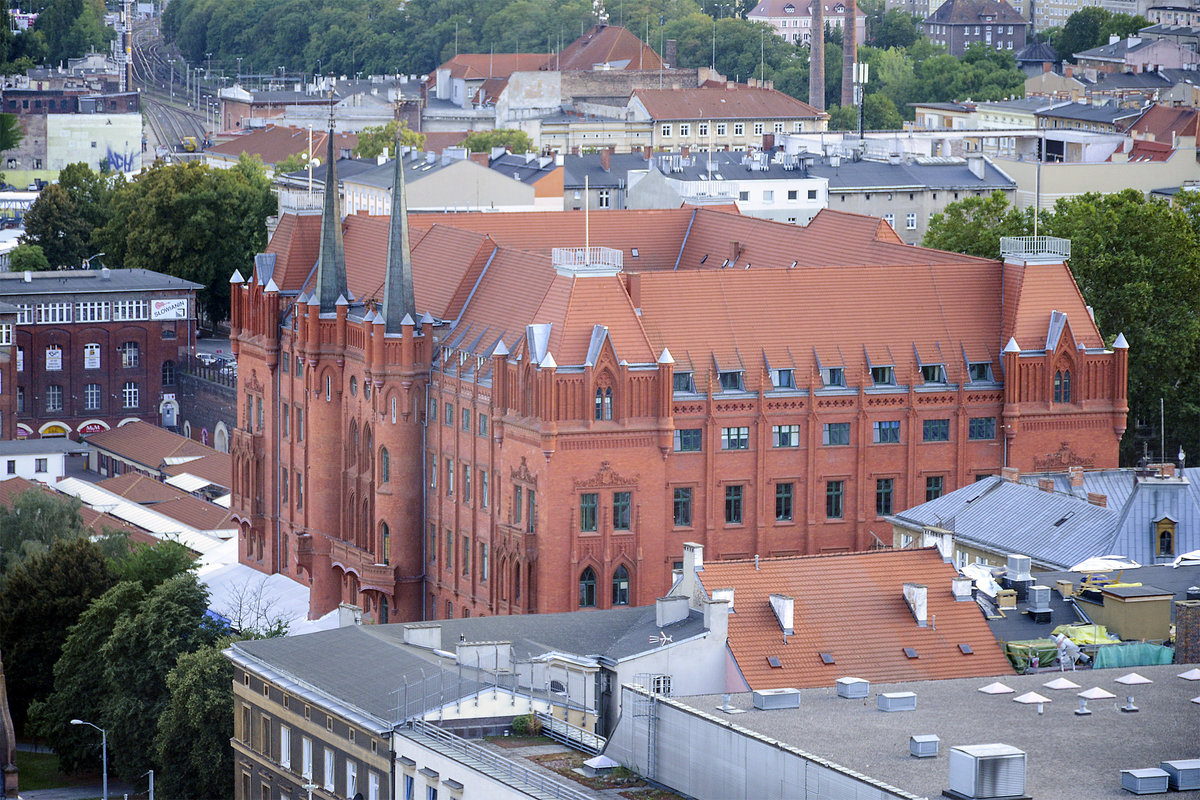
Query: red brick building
{"points": [[516, 413], [92, 349]]}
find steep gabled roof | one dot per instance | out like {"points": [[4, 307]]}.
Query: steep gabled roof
{"points": [[741, 102], [1165, 123], [605, 44], [169, 501], [147, 444], [275, 143], [973, 12], [851, 607], [479, 66]]}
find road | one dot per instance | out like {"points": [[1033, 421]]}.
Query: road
{"points": [[165, 104]]}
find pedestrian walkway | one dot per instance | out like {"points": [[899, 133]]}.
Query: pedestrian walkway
{"points": [[116, 790]]}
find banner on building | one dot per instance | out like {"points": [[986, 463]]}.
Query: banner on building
{"points": [[169, 309]]}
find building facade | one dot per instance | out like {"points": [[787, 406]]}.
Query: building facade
{"points": [[736, 117], [537, 426], [792, 19], [958, 24], [94, 349]]}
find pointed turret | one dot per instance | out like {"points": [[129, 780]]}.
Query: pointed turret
{"points": [[331, 263], [398, 284]]}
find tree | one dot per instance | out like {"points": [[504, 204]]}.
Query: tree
{"points": [[10, 128], [41, 598], [372, 141], [896, 29], [974, 225], [153, 565], [54, 222], [28, 257], [1082, 32], [483, 141], [193, 222], [73, 28], [34, 520], [191, 746]]}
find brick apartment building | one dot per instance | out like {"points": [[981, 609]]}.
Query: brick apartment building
{"points": [[93, 349], [517, 413]]}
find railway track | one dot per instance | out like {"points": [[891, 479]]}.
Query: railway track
{"points": [[164, 91]]}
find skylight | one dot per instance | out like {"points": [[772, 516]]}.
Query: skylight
{"points": [[774, 662], [827, 658], [911, 652]]}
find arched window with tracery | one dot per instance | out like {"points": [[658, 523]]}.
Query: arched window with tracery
{"points": [[604, 398], [352, 448], [620, 586], [587, 589], [1062, 386], [385, 465]]}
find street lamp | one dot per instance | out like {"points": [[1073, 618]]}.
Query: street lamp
{"points": [[103, 750]]}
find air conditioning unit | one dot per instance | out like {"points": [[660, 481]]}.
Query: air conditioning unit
{"points": [[987, 771], [897, 701], [853, 688], [1039, 598], [1144, 781], [924, 745], [768, 699], [1018, 567], [1183, 775]]}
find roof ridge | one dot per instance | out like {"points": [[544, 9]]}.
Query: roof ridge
{"points": [[808, 556]]}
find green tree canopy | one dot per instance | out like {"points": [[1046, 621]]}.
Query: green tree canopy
{"points": [[194, 729], [373, 140], [1091, 27], [40, 599], [896, 29], [974, 225], [28, 257], [73, 28], [55, 223], [191, 221], [483, 141], [152, 565], [34, 520], [10, 131]]}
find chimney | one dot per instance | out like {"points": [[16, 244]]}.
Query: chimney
{"points": [[785, 609], [1046, 484], [480, 158], [768, 142], [915, 594], [816, 58], [1046, 66], [1097, 499], [606, 159], [849, 51], [725, 595], [960, 587], [693, 563], [105, 274], [1113, 38], [735, 250], [669, 610], [647, 152], [1010, 474], [1075, 476], [28, 276], [669, 52], [977, 166], [1068, 71], [1165, 470], [716, 617]]}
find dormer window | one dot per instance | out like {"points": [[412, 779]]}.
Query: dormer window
{"points": [[1164, 538], [883, 376], [732, 381], [783, 378], [683, 382], [1062, 386], [980, 371], [833, 376], [604, 403], [933, 373]]}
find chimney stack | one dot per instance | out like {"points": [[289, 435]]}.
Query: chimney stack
{"points": [[816, 57], [849, 51], [785, 609], [606, 158], [669, 610], [1097, 499], [1046, 484], [916, 595], [1010, 474], [669, 52], [1046, 66], [1075, 476]]}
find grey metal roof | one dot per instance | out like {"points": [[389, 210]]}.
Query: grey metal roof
{"points": [[1020, 104], [525, 170], [576, 168], [1091, 113], [346, 168], [1115, 51], [1176, 580], [78, 281], [23, 447], [382, 175], [1037, 52], [880, 175], [1132, 80]]}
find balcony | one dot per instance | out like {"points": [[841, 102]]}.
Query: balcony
{"points": [[1035, 248]]}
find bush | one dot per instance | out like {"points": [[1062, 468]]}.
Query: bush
{"points": [[527, 725]]}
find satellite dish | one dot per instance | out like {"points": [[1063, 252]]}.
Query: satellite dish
{"points": [[316, 162]]}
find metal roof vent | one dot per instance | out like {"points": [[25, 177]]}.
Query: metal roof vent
{"points": [[771, 699], [1183, 775], [1039, 603], [1145, 781], [896, 701], [853, 688], [923, 745], [1018, 567], [986, 771]]}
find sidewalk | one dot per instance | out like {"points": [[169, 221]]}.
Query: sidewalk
{"points": [[116, 790]]}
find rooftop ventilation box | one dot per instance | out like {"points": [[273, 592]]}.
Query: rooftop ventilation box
{"points": [[1144, 781], [1183, 776], [897, 701], [987, 772], [771, 699], [853, 688], [923, 745]]}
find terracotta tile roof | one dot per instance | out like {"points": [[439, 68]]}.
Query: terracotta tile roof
{"points": [[1151, 151], [275, 143], [147, 444], [216, 467], [437, 141], [592, 302], [93, 520], [605, 44], [169, 501], [478, 66], [1164, 122], [295, 243], [1035, 300], [510, 294], [852, 607], [740, 102]]}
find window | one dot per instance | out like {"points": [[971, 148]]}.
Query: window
{"points": [[687, 440], [603, 409], [936, 430], [39, 464], [285, 747], [12, 466], [531, 518], [20, 399], [1062, 386], [702, 129], [890, 219], [733, 505], [299, 424], [735, 438], [683, 508], [91, 397], [620, 586], [299, 490], [448, 417], [981, 428], [883, 496], [483, 425], [683, 382], [129, 310], [517, 503], [833, 376], [783, 378], [449, 563], [933, 487], [385, 464], [769, 196], [6, 334], [887, 431], [284, 418], [129, 394], [466, 419], [353, 385], [283, 486], [483, 488], [793, 194], [665, 129], [587, 589], [466, 558], [812, 194], [979, 371], [1164, 537], [743, 196], [306, 757], [685, 129], [883, 376], [328, 783], [739, 128], [779, 127], [91, 312], [731, 381], [168, 373], [758, 129], [622, 501], [836, 433], [933, 373], [24, 314], [783, 502], [587, 511], [603, 199], [129, 354], [54, 398], [450, 484], [721, 129], [910, 221], [53, 312], [785, 436], [351, 778], [833, 499]]}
